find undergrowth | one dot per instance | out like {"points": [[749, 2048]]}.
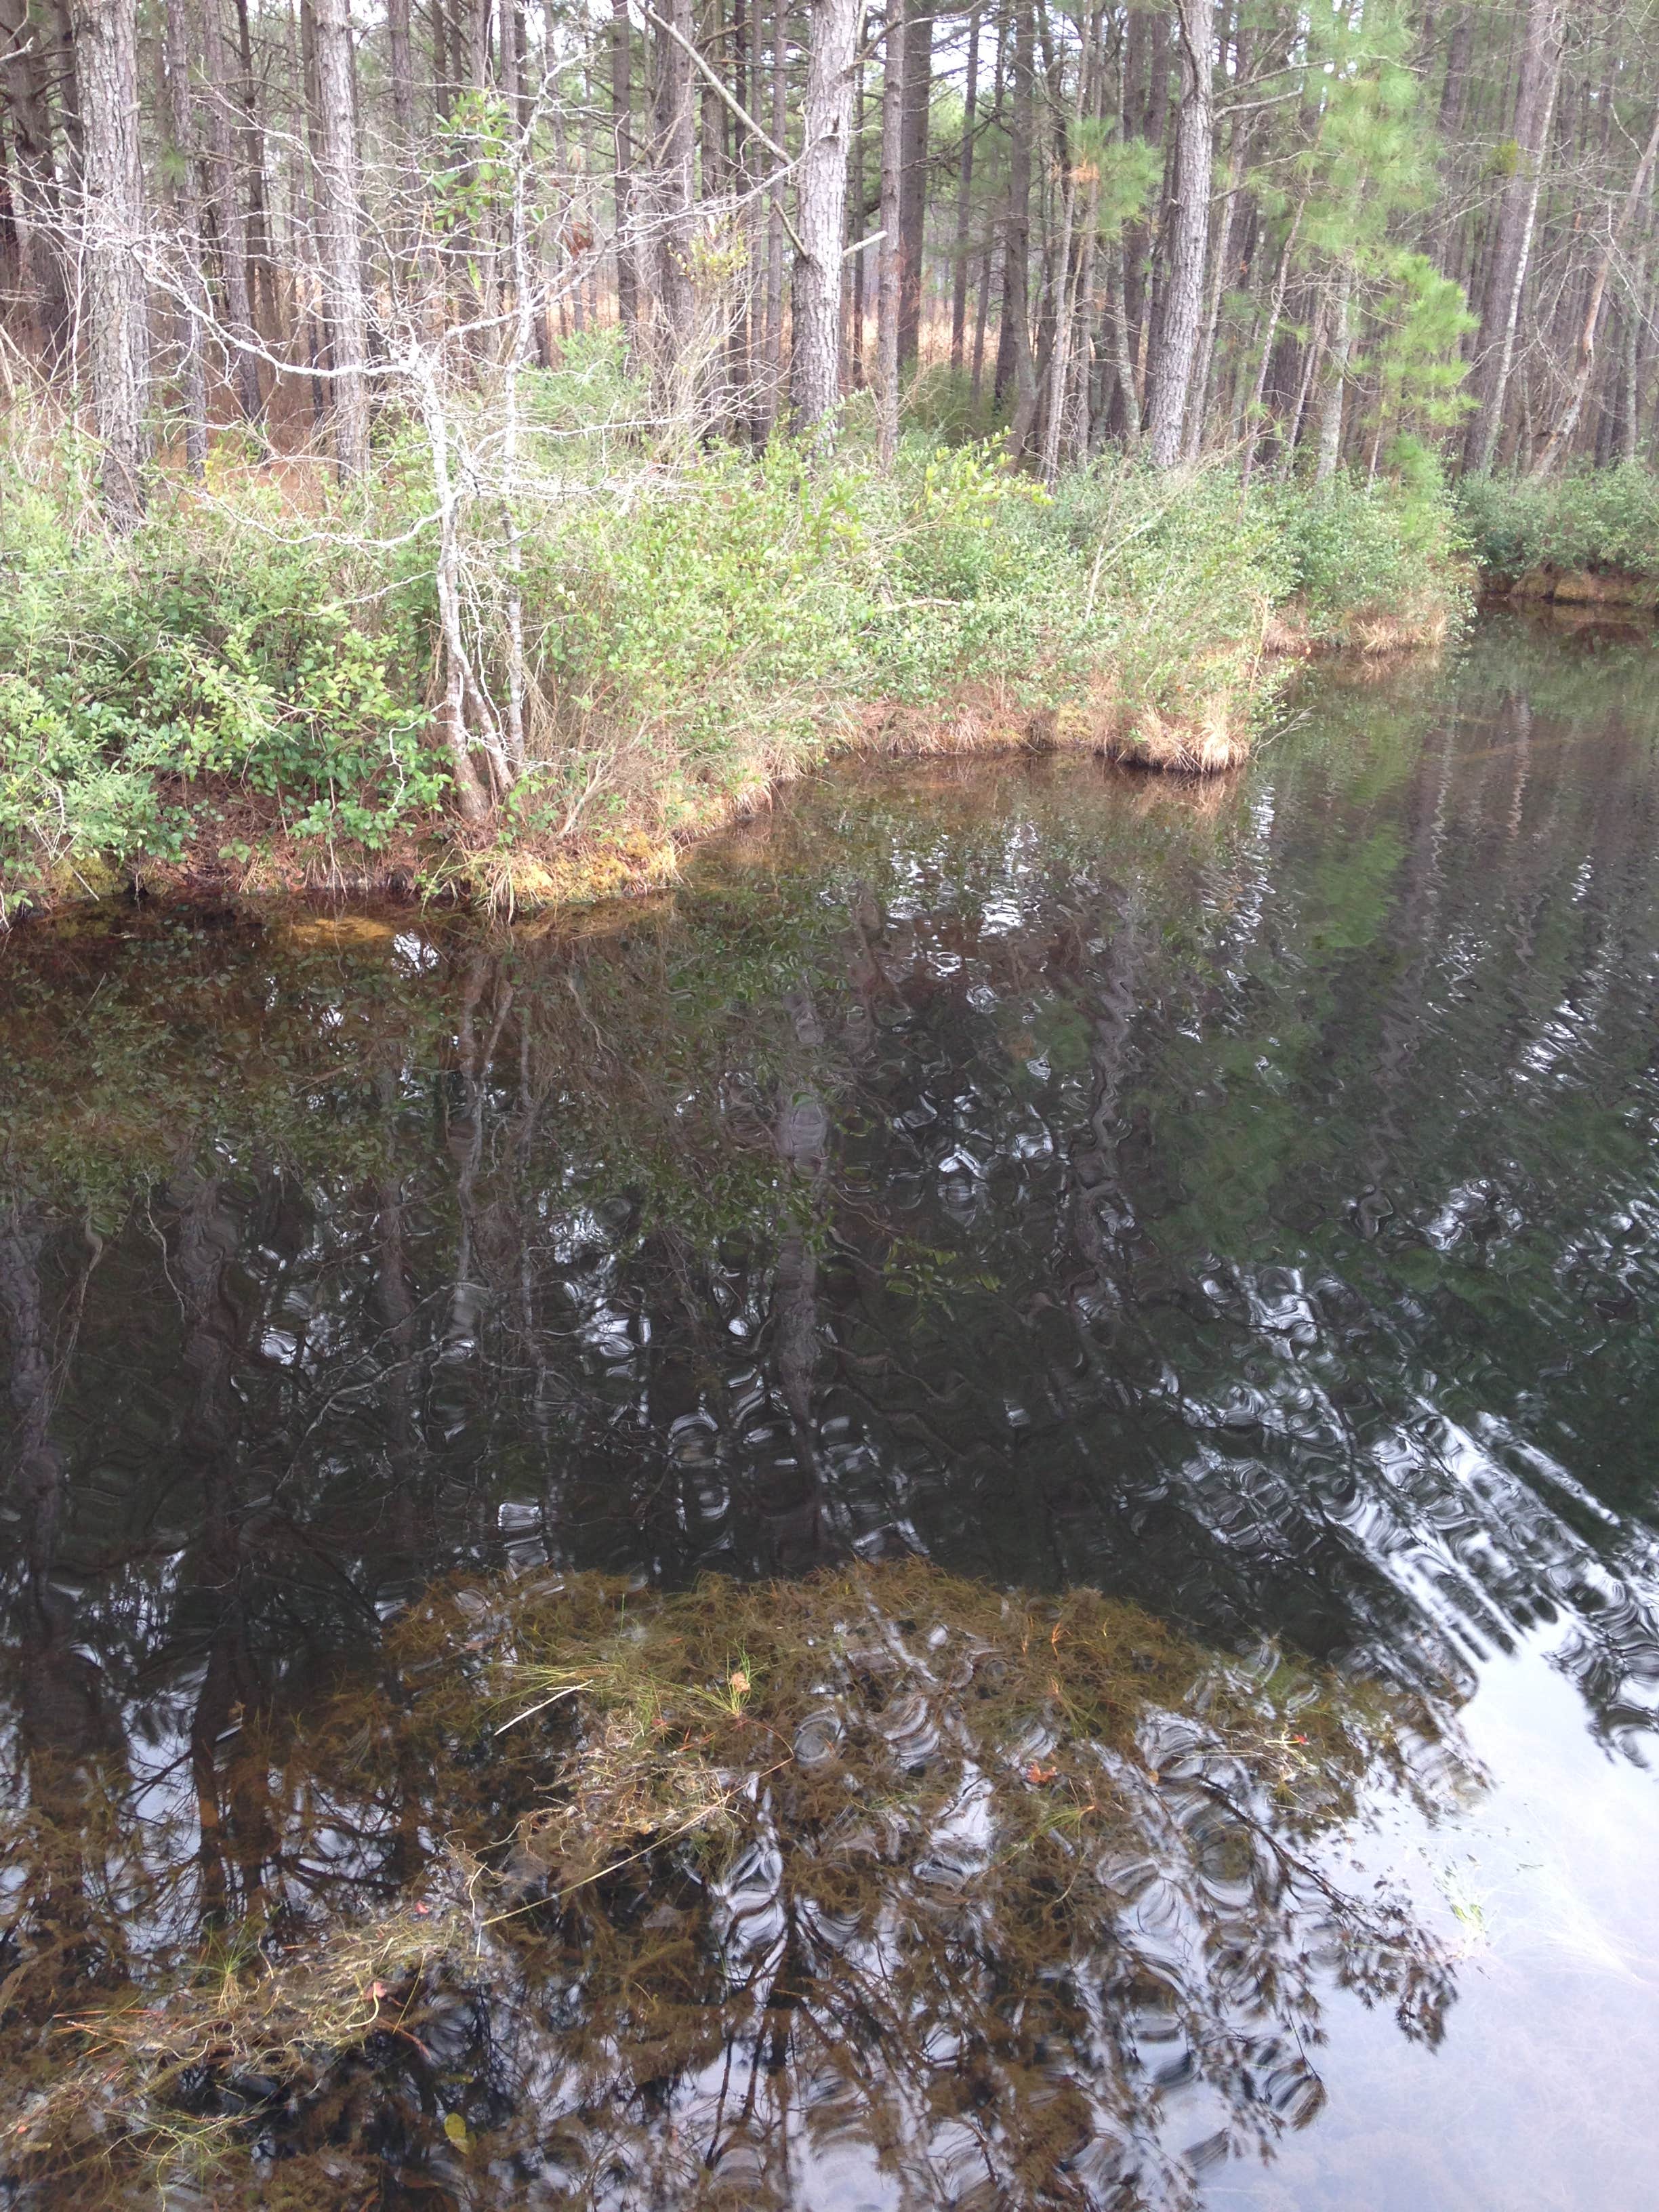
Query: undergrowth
{"points": [[248, 685], [1602, 521]]}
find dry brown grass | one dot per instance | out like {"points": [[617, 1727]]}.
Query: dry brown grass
{"points": [[1367, 633]]}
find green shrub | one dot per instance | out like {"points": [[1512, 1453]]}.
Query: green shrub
{"points": [[213, 652], [1604, 519], [1359, 551], [695, 621]]}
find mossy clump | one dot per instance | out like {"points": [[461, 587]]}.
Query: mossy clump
{"points": [[910, 1871]]}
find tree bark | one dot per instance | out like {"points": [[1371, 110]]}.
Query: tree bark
{"points": [[1336, 378], [892, 251], [821, 217], [339, 195], [1014, 345], [621, 123], [964, 198], [38, 205], [675, 153], [1517, 213], [772, 347], [118, 296], [190, 311], [1182, 305], [913, 177], [229, 219]]}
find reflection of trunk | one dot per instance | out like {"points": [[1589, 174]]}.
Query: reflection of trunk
{"points": [[802, 1138], [397, 1307], [466, 1136], [36, 1470], [236, 1830], [61, 1719]]}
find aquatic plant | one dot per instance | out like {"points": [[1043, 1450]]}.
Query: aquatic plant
{"points": [[638, 1899]]}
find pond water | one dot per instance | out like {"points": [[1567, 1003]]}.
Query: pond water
{"points": [[1241, 1198]]}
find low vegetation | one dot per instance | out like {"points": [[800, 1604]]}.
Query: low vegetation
{"points": [[245, 692], [948, 1872], [1591, 537]]}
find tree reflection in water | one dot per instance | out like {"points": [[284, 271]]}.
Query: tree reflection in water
{"points": [[883, 1882], [1243, 1207]]}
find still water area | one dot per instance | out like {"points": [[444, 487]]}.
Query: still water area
{"points": [[977, 1184]]}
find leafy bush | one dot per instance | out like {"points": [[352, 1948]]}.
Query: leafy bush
{"points": [[696, 624], [215, 652], [1358, 552], [1604, 519]]}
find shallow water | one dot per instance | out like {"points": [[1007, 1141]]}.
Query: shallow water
{"points": [[1240, 1198]]}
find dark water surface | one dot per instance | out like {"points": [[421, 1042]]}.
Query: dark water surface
{"points": [[1241, 1199]]}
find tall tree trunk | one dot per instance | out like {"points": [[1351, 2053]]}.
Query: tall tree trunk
{"points": [[339, 194], [820, 217], [676, 158], [1336, 378], [1517, 213], [261, 269], [107, 60], [191, 309], [229, 220], [965, 198], [772, 385], [400, 54], [1015, 339], [913, 176], [892, 251], [37, 204], [1253, 425], [1182, 306], [1566, 421], [1198, 406], [621, 125]]}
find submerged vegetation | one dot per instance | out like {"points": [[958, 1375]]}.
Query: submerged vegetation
{"points": [[237, 694], [592, 1894]]}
